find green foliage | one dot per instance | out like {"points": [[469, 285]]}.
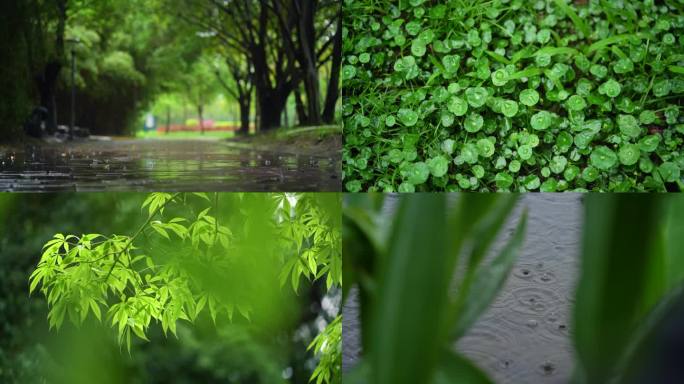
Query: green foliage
{"points": [[574, 75], [328, 346], [403, 256], [630, 277], [181, 262]]}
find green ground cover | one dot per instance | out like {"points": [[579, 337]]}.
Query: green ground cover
{"points": [[513, 95]]}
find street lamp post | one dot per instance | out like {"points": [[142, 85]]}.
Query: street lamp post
{"points": [[73, 87]]}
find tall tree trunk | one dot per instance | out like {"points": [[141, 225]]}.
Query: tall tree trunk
{"points": [[245, 105], [47, 80], [270, 110], [200, 114], [286, 117], [271, 101], [257, 113], [334, 82], [47, 87], [307, 38], [299, 106]]}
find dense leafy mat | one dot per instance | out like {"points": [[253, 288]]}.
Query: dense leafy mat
{"points": [[545, 95]]}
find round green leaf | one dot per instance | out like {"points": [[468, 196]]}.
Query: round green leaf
{"points": [[571, 172], [557, 164], [485, 148], [476, 96], [499, 78], [408, 117], [543, 36], [549, 185], [438, 166], [623, 66], [390, 121], [649, 143], [395, 156], [583, 139], [451, 63], [478, 171], [629, 154], [525, 152], [404, 64], [662, 88], [629, 126], [448, 146], [509, 108], [348, 72], [413, 27], [364, 57], [646, 165], [610, 88], [473, 122], [563, 141], [598, 70], [503, 180], [418, 173], [541, 120], [457, 106], [590, 174], [532, 182], [529, 97], [576, 103], [647, 117], [669, 171], [514, 166], [469, 153], [543, 59], [418, 48], [603, 158], [407, 187]]}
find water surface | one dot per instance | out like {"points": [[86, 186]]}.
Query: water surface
{"points": [[177, 165]]}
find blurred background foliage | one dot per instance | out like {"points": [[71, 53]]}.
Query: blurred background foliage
{"points": [[271, 347]]}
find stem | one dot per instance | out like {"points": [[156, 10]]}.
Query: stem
{"points": [[215, 218], [137, 233]]}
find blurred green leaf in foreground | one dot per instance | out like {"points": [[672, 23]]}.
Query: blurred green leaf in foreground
{"points": [[405, 258]]}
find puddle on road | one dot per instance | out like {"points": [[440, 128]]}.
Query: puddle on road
{"points": [[146, 165]]}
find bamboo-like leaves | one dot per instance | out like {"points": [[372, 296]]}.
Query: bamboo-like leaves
{"points": [[631, 278], [412, 293], [405, 293], [615, 279]]}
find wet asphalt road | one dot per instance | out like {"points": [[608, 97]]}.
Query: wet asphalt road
{"points": [[163, 165]]}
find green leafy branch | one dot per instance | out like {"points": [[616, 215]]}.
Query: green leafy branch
{"points": [[173, 268]]}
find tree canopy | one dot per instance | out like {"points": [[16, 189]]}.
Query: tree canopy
{"points": [[128, 53]]}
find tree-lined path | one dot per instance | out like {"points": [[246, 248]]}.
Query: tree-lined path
{"points": [[188, 69]]}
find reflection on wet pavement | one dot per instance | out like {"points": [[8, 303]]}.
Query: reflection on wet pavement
{"points": [[145, 165]]}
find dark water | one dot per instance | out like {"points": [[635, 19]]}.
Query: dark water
{"points": [[524, 336], [145, 165]]}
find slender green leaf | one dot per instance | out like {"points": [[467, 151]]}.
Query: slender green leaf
{"points": [[488, 280], [614, 277], [412, 293], [580, 25]]}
